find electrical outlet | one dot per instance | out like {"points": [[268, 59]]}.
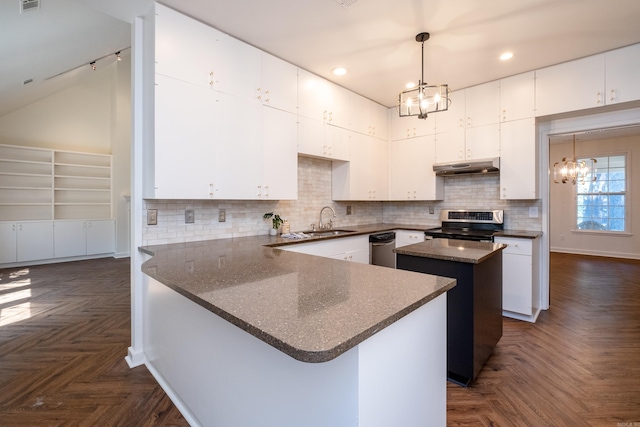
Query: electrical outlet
{"points": [[533, 212], [152, 217], [222, 215], [349, 210], [189, 216], [431, 211]]}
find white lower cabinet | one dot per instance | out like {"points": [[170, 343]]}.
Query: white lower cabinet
{"points": [[79, 238], [407, 237], [520, 280], [354, 249], [26, 241]]}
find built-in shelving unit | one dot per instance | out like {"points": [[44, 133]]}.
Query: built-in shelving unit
{"points": [[82, 186], [42, 184], [26, 182]]}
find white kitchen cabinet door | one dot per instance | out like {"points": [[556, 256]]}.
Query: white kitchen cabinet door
{"points": [[482, 104], [279, 88], [100, 236], [411, 176], [241, 69], [407, 237], [34, 241], [239, 155], [482, 142], [378, 126], [317, 139], [313, 96], [366, 175], [69, 238], [454, 118], [8, 231], [517, 97], [518, 160], [517, 275], [622, 83], [185, 140], [571, 86], [186, 49], [450, 146], [280, 160]]}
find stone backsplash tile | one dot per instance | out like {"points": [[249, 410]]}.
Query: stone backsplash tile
{"points": [[244, 218]]}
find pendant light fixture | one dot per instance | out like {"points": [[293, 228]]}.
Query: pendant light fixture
{"points": [[574, 171], [423, 98]]}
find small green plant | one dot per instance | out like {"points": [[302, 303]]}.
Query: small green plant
{"points": [[275, 219]]}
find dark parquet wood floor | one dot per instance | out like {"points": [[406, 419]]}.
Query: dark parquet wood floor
{"points": [[65, 328]]}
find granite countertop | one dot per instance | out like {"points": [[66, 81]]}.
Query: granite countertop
{"points": [[519, 234], [309, 307], [464, 251]]}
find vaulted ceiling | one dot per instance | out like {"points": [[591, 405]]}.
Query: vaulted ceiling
{"points": [[373, 39]]}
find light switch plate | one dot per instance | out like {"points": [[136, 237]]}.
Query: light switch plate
{"points": [[189, 216], [152, 217]]}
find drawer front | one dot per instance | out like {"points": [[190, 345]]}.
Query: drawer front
{"points": [[516, 246]]}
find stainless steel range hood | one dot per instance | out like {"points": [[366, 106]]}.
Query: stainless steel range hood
{"points": [[477, 166]]}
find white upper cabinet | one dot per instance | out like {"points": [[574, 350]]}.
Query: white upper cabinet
{"points": [[279, 156], [184, 161], [519, 160], [570, 86], [411, 176], [321, 100], [482, 105], [470, 128], [368, 117], [622, 83], [279, 85], [239, 69], [366, 175], [517, 97], [411, 127], [186, 49]]}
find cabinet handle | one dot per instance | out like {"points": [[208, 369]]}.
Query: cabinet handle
{"points": [[598, 98], [211, 190], [324, 115], [468, 121], [330, 116], [613, 95], [259, 191], [266, 191], [504, 115], [266, 92], [211, 78]]}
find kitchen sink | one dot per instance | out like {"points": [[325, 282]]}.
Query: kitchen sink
{"points": [[326, 233]]}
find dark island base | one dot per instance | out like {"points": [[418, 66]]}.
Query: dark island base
{"points": [[474, 311]]}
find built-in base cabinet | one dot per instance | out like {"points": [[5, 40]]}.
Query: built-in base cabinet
{"points": [[22, 242], [520, 278], [354, 249], [407, 237]]}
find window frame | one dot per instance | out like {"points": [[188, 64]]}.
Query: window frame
{"points": [[627, 195]]}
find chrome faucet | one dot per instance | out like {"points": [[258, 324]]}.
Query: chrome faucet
{"points": [[330, 225]]}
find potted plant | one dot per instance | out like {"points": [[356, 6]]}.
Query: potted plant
{"points": [[275, 220]]}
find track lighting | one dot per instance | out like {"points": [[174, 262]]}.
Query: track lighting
{"points": [[93, 65]]}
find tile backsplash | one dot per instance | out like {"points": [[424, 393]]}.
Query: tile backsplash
{"points": [[244, 218]]}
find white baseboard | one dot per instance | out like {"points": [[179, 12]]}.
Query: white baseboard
{"points": [[518, 316], [135, 358], [595, 253]]}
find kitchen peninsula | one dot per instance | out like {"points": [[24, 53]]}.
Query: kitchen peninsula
{"points": [[240, 333]]}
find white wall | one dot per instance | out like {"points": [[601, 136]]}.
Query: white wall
{"points": [[562, 208], [92, 116]]}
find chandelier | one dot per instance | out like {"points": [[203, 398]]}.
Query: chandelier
{"points": [[572, 170], [423, 98]]}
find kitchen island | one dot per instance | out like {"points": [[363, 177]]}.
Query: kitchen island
{"points": [[243, 334], [474, 306]]}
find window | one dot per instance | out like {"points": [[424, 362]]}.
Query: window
{"points": [[601, 203]]}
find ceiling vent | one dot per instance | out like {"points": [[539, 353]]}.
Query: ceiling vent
{"points": [[27, 5], [346, 3]]}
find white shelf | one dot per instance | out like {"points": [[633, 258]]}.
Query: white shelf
{"points": [[37, 184]]}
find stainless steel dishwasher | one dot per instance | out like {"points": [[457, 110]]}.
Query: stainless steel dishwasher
{"points": [[381, 248]]}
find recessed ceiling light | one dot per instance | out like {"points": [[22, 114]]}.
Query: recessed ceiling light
{"points": [[410, 85], [339, 71], [506, 56]]}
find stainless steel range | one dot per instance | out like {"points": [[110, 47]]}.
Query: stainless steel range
{"points": [[476, 225]]}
